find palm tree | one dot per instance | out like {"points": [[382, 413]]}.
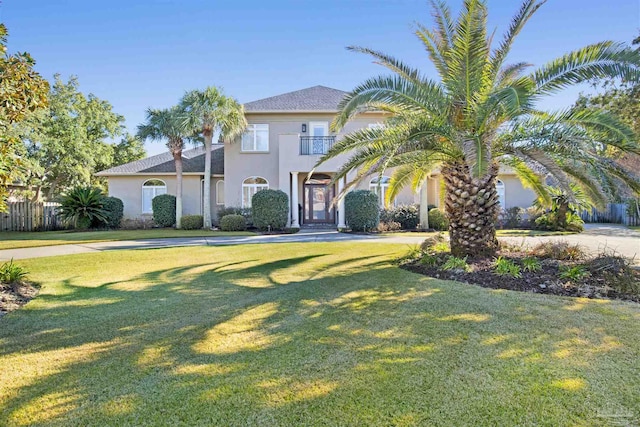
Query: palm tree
{"points": [[209, 111], [168, 125], [481, 114]]}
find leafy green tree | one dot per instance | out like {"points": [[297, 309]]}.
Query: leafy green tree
{"points": [[68, 139], [22, 92], [168, 124], [129, 149], [482, 113], [208, 112]]}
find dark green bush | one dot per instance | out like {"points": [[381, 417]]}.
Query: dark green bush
{"points": [[245, 212], [408, 216], [233, 222], [164, 210], [83, 206], [438, 220], [270, 209], [114, 209], [511, 218], [361, 210], [192, 222]]}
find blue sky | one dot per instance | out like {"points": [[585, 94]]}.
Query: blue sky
{"points": [[138, 54]]}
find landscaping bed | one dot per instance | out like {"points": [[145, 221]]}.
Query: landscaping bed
{"points": [[16, 295], [556, 268]]}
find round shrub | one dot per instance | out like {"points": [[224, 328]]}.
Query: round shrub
{"points": [[233, 222], [114, 209], [270, 209], [164, 210], [192, 222], [438, 220], [407, 215], [361, 210]]}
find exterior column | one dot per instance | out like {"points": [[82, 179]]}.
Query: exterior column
{"points": [[341, 223], [295, 221], [424, 205]]}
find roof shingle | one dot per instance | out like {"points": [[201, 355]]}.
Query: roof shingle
{"points": [[316, 98], [193, 162]]}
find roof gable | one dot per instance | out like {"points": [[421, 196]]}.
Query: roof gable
{"points": [[316, 98]]}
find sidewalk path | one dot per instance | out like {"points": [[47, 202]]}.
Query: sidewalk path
{"points": [[595, 238]]}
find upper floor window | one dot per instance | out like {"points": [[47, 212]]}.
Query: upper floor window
{"points": [[150, 189], [251, 186], [256, 138], [380, 186], [376, 125]]}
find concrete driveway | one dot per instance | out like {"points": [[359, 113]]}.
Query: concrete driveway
{"points": [[596, 237]]}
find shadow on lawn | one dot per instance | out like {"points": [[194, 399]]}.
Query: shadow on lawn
{"points": [[246, 340]]}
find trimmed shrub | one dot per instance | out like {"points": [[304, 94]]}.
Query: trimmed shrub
{"points": [[269, 209], [114, 209], [233, 222], [361, 210], [408, 216], [438, 220], [245, 212], [192, 222], [164, 210]]}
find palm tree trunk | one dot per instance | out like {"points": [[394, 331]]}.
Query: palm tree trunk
{"points": [[177, 157], [472, 206], [206, 200]]}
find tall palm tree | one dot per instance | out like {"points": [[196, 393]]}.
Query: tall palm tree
{"points": [[482, 113], [168, 125], [207, 112]]}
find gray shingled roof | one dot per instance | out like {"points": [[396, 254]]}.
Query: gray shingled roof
{"points": [[316, 98], [193, 162]]}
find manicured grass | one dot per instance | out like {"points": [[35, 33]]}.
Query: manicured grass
{"points": [[499, 233], [305, 334], [14, 240]]}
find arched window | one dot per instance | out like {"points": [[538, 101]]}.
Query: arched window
{"points": [[220, 192], [150, 189], [380, 186], [251, 186], [501, 193]]}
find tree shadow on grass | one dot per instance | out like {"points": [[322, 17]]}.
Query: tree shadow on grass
{"points": [[358, 342]]}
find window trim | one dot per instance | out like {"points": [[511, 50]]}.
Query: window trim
{"points": [[155, 188], [383, 187], [221, 181], [325, 126], [257, 187], [252, 127]]}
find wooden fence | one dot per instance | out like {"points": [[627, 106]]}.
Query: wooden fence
{"points": [[615, 213], [30, 216]]}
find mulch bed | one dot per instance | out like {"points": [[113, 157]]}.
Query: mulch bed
{"points": [[15, 296], [545, 281]]}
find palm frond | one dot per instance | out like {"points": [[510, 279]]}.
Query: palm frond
{"points": [[604, 60]]}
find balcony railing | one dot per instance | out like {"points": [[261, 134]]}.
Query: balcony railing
{"points": [[315, 145]]}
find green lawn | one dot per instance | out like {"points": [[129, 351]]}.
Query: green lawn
{"points": [[14, 240], [305, 334], [500, 233]]}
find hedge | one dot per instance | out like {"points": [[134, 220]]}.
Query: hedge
{"points": [[361, 210], [408, 216], [114, 209], [164, 210], [270, 209], [233, 222], [192, 222]]}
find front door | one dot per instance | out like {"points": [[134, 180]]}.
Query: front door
{"points": [[317, 203]]}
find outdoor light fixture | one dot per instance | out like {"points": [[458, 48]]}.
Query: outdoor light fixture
{"points": [[304, 127]]}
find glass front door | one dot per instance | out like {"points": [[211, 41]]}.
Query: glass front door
{"points": [[317, 206]]}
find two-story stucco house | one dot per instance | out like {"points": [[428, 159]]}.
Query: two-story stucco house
{"points": [[286, 136]]}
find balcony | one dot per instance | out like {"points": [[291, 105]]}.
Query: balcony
{"points": [[315, 145]]}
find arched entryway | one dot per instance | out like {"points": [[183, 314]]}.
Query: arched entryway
{"points": [[318, 194]]}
